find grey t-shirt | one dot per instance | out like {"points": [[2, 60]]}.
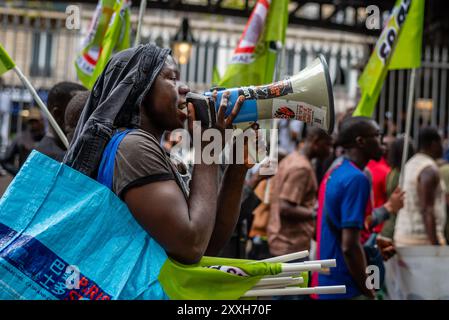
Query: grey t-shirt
{"points": [[141, 160]]}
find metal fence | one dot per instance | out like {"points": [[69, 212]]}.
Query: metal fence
{"points": [[430, 96]]}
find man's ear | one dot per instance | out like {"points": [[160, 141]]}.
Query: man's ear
{"points": [[360, 141], [314, 141], [58, 114], [56, 111]]}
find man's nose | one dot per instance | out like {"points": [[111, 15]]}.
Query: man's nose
{"points": [[183, 89]]}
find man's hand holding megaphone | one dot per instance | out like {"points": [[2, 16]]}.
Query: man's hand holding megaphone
{"points": [[221, 122], [198, 103]]}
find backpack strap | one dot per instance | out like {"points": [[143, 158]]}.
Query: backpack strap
{"points": [[106, 169]]}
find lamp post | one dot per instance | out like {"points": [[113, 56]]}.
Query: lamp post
{"points": [[182, 43]]}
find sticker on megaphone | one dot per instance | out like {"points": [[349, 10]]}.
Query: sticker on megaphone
{"points": [[298, 110], [307, 97]]}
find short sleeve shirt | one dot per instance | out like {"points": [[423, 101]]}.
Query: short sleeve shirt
{"points": [[347, 195], [141, 160], [294, 182]]}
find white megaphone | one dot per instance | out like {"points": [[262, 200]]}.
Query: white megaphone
{"points": [[307, 97]]}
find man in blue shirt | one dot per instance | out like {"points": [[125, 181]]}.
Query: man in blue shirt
{"points": [[346, 197]]}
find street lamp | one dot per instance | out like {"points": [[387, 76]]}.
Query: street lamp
{"points": [[182, 43], [425, 107]]}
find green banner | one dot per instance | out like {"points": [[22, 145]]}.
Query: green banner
{"points": [[6, 63], [393, 51], [407, 54], [216, 278], [253, 63], [117, 38], [109, 32]]}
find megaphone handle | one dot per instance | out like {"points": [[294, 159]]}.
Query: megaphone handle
{"points": [[273, 154]]}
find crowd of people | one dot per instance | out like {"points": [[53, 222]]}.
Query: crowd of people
{"points": [[331, 194], [357, 202]]}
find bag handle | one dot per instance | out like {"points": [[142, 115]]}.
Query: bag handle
{"points": [[106, 170]]}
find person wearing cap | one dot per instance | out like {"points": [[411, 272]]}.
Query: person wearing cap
{"points": [[21, 146]]}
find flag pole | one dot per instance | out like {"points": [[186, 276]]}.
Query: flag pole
{"points": [[408, 126], [288, 257], [143, 6], [43, 107], [295, 291]]}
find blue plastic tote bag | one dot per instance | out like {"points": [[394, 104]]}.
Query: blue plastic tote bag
{"points": [[55, 221]]}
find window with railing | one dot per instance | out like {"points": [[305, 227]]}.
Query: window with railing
{"points": [[41, 54]]}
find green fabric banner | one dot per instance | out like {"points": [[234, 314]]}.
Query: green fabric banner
{"points": [[117, 38], [215, 278], [6, 63], [407, 54], [109, 32], [393, 51], [254, 59]]}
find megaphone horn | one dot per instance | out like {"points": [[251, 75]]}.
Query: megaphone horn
{"points": [[307, 97]]}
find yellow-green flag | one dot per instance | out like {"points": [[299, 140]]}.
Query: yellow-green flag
{"points": [[109, 31], [407, 54], [398, 47], [215, 278], [118, 37], [254, 59], [6, 63], [215, 77]]}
